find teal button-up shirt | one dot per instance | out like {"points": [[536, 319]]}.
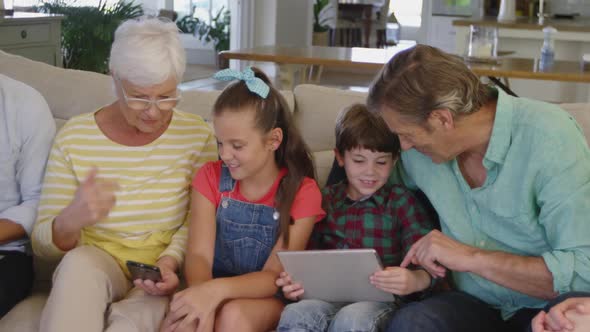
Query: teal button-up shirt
{"points": [[534, 202]]}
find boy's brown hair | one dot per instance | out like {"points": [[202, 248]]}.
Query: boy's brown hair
{"points": [[356, 127]]}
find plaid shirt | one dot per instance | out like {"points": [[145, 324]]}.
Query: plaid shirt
{"points": [[389, 221]]}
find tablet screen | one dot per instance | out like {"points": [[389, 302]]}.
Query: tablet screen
{"points": [[335, 275]]}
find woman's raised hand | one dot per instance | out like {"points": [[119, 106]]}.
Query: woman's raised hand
{"points": [[93, 200]]}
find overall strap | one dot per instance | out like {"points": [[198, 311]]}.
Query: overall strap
{"points": [[226, 182]]}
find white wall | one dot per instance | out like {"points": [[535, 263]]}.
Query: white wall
{"points": [[242, 24], [275, 22], [282, 22], [294, 20], [151, 7], [197, 52], [437, 30]]}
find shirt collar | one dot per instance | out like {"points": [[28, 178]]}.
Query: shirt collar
{"points": [[341, 196], [502, 129]]}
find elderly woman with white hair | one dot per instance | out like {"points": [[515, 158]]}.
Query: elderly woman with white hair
{"points": [[117, 189]]}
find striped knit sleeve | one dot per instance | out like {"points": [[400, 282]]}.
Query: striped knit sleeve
{"points": [[177, 246], [59, 187]]}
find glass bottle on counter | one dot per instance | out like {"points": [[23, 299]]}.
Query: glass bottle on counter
{"points": [[548, 48], [483, 42]]}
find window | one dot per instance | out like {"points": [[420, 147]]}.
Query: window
{"points": [[407, 12], [204, 10], [80, 3], [25, 3]]}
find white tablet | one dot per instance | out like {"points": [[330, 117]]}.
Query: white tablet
{"points": [[335, 275]]}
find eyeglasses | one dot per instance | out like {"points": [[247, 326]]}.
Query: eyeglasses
{"points": [[141, 104]]}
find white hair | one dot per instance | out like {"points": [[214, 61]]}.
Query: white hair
{"points": [[147, 51]]}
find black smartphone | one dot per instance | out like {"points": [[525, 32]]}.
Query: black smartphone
{"points": [[144, 271]]}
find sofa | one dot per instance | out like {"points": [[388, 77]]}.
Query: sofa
{"points": [[71, 92]]}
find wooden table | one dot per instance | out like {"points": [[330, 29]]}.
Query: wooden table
{"points": [[312, 59], [307, 62], [352, 57], [566, 71]]}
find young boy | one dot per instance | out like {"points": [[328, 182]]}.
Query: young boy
{"points": [[366, 210]]}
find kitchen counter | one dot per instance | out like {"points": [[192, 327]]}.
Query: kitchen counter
{"points": [[578, 24], [524, 37]]}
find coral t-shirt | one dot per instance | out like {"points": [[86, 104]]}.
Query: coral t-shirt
{"points": [[308, 200]]}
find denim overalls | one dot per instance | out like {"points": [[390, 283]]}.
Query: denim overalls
{"points": [[246, 232]]}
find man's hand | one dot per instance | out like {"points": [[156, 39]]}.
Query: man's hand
{"points": [[563, 316], [400, 281], [437, 252], [291, 291]]}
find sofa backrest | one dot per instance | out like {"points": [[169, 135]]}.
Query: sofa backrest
{"points": [[316, 108], [68, 92], [580, 112]]}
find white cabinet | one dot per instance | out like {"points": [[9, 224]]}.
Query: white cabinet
{"points": [[33, 35]]}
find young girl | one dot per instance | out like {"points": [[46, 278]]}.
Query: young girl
{"points": [[259, 198]]}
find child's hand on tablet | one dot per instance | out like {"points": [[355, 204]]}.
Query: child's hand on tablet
{"points": [[291, 290], [400, 281]]}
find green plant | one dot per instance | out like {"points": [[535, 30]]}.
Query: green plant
{"points": [[216, 32], [88, 32], [187, 24], [324, 15]]}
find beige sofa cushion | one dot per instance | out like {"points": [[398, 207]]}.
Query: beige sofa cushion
{"points": [[68, 92], [580, 112], [323, 164], [316, 108]]}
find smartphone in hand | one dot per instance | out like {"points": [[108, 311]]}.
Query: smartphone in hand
{"points": [[144, 271]]}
